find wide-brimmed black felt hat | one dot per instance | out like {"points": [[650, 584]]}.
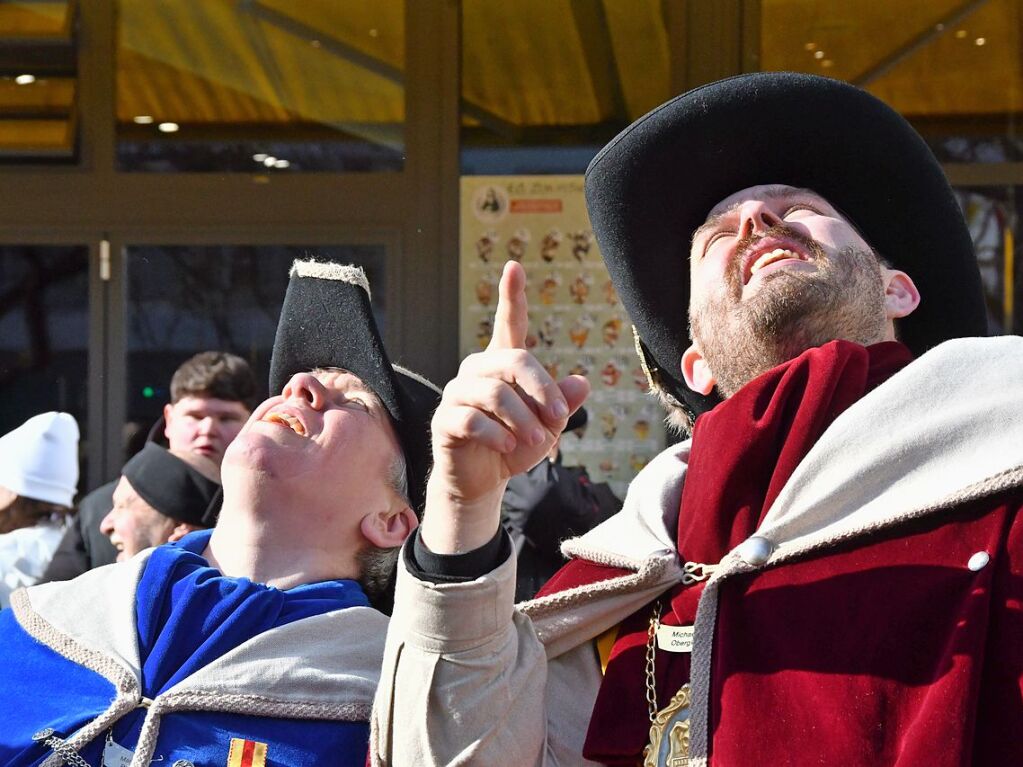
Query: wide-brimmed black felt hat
{"points": [[327, 321], [654, 184]]}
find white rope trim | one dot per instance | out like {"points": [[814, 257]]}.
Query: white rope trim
{"points": [[577, 548], [261, 705], [652, 571], [417, 377], [350, 273], [237, 703], [125, 683]]}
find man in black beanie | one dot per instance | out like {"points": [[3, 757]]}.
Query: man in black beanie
{"points": [[260, 641], [212, 395], [161, 497], [830, 570]]}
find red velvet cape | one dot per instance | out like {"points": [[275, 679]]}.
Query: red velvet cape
{"points": [[885, 651]]}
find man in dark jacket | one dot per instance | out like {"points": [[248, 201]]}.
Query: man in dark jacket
{"points": [[548, 504]]}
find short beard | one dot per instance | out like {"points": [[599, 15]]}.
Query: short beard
{"points": [[791, 312]]}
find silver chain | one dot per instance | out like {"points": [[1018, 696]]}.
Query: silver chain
{"points": [[65, 752], [651, 661]]}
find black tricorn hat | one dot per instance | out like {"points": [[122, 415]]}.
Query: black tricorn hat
{"points": [[326, 321], [654, 184]]}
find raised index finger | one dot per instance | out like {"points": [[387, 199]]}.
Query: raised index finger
{"points": [[511, 322]]}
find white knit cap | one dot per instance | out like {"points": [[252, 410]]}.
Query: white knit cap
{"points": [[39, 459]]}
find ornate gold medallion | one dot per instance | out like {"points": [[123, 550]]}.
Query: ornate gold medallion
{"points": [[669, 734]]}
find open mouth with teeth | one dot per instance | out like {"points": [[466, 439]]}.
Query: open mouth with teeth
{"points": [[286, 420], [773, 257]]}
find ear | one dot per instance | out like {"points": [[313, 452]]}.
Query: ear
{"points": [[167, 409], [900, 294], [696, 372], [387, 529], [181, 529]]}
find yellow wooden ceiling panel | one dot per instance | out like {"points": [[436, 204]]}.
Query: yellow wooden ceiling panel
{"points": [[933, 71], [32, 19], [203, 39], [523, 61], [373, 27], [641, 52], [854, 35], [952, 75], [321, 85], [49, 94], [147, 87], [213, 61], [34, 135]]}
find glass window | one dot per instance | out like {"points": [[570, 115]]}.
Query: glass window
{"points": [[38, 87], [546, 83], [44, 335], [952, 68], [267, 86], [184, 300], [992, 214]]}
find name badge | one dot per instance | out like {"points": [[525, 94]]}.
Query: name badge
{"points": [[675, 638], [115, 755]]}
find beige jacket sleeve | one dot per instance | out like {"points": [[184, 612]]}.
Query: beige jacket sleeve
{"points": [[466, 681]]}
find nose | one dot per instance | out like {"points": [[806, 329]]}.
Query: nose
{"points": [[307, 387], [208, 425], [756, 217], [106, 525]]}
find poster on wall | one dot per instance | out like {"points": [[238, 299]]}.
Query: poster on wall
{"points": [[576, 322]]}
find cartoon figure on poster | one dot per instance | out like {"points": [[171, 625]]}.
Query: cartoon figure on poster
{"points": [[549, 288], [485, 245], [550, 327], [580, 287], [611, 331], [486, 289], [517, 244], [550, 244], [581, 244], [580, 330], [583, 365], [611, 374]]}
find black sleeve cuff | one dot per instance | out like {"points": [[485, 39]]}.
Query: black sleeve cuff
{"points": [[456, 568]]}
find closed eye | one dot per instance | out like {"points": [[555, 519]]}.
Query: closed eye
{"points": [[715, 237], [800, 207]]}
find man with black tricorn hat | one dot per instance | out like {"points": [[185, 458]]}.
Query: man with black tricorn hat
{"points": [[829, 570], [258, 642]]}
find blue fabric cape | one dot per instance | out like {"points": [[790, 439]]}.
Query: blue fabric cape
{"points": [[187, 615]]}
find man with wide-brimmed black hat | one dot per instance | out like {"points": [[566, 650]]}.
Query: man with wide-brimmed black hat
{"points": [[258, 642], [829, 570]]}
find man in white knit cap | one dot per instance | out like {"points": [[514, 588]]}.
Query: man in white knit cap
{"points": [[38, 481]]}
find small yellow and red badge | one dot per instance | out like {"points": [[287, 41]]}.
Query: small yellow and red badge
{"points": [[246, 753]]}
